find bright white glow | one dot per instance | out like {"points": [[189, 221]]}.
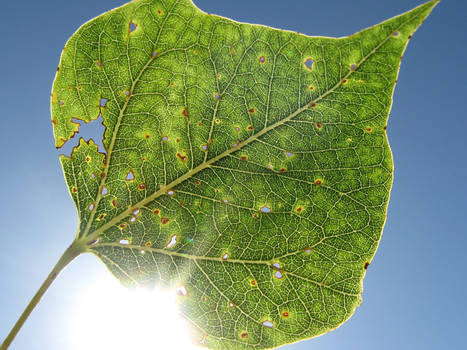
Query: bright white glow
{"points": [[109, 316]]}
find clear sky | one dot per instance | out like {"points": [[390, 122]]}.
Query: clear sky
{"points": [[415, 288]]}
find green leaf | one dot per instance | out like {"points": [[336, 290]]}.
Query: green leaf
{"points": [[247, 167]]}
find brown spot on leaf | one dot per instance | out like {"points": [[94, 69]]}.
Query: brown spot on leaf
{"points": [[251, 110], [253, 283], [185, 112], [282, 170], [157, 211], [142, 186], [250, 128], [313, 105], [319, 125], [285, 314], [299, 209], [197, 183], [114, 203], [344, 81], [366, 265], [244, 158], [244, 335], [148, 244], [318, 182], [165, 221], [182, 158]]}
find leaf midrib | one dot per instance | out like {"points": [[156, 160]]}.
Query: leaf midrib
{"points": [[163, 190]]}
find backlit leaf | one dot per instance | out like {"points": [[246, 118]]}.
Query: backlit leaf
{"points": [[245, 167]]}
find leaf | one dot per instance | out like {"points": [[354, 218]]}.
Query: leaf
{"points": [[245, 166]]}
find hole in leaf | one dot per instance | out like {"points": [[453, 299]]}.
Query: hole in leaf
{"points": [[268, 324], [93, 242], [309, 63], [91, 207], [278, 274], [262, 59], [130, 176], [104, 191], [165, 138], [225, 256], [182, 291], [173, 241], [94, 130], [133, 219], [171, 192], [103, 102], [132, 26], [289, 154], [124, 241], [277, 265], [265, 209]]}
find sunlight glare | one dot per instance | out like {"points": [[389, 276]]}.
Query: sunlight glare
{"points": [[109, 316]]}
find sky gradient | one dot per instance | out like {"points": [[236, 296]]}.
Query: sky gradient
{"points": [[414, 296]]}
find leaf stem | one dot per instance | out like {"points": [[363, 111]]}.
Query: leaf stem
{"points": [[75, 249]]}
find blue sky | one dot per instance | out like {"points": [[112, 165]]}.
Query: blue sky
{"points": [[414, 294]]}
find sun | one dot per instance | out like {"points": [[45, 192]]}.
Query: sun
{"points": [[109, 316]]}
